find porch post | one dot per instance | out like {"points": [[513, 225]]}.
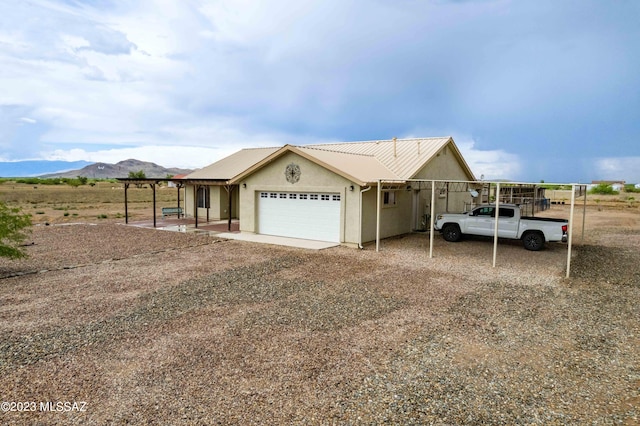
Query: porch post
{"points": [[126, 204], [196, 188], [153, 186], [178, 186], [229, 189]]}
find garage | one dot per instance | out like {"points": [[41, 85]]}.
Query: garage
{"points": [[311, 216]]}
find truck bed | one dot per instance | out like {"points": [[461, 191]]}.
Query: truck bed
{"points": [[544, 219]]}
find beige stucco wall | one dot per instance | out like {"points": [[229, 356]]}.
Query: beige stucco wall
{"points": [[218, 202], [444, 166], [313, 178], [406, 216]]}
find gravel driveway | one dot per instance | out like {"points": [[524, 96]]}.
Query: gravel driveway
{"points": [[157, 327]]}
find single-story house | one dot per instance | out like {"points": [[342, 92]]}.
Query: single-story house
{"points": [[616, 185], [328, 192]]}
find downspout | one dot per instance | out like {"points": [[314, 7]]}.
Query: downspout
{"points": [[360, 218]]}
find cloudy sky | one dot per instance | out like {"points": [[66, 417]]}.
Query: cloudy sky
{"points": [[530, 90]]}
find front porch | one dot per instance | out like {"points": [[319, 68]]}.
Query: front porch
{"points": [[188, 224]]}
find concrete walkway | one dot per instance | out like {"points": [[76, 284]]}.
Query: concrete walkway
{"points": [[279, 241], [218, 229]]}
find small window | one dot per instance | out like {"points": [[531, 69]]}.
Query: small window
{"points": [[203, 197], [264, 195], [336, 198], [273, 195], [303, 196], [293, 196], [313, 196], [389, 198], [325, 197], [283, 195]]}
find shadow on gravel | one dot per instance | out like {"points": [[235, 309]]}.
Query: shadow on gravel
{"points": [[612, 265]]}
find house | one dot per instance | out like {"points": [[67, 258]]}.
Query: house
{"points": [[329, 192], [616, 185]]}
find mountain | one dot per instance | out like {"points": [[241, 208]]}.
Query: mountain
{"points": [[120, 170], [37, 167]]}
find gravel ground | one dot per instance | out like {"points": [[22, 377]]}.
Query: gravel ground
{"points": [[152, 326]]}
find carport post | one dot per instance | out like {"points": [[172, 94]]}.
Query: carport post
{"points": [[378, 215], [495, 226], [584, 212], [573, 201], [433, 210]]}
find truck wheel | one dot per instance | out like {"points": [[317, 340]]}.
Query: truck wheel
{"points": [[533, 241], [451, 232]]}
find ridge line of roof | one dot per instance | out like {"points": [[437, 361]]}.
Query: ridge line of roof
{"points": [[317, 148], [381, 140]]}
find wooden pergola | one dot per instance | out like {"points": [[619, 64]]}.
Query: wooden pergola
{"points": [[180, 183]]}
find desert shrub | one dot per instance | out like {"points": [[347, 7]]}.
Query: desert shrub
{"points": [[102, 216], [603, 189], [13, 231]]}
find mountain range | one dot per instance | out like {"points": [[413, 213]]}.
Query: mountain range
{"points": [[71, 169]]}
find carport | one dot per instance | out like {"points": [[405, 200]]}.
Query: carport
{"points": [[478, 190]]}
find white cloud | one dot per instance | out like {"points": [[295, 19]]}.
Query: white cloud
{"points": [[617, 168], [492, 164]]}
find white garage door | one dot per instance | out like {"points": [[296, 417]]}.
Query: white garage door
{"points": [[311, 216]]}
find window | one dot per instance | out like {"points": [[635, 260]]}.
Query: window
{"points": [[264, 195], [324, 197], [484, 211], [283, 195], [293, 196], [273, 195], [506, 212], [389, 198], [313, 196], [303, 196], [203, 198], [336, 198]]}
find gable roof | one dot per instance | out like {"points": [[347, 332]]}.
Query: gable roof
{"points": [[404, 157], [229, 167], [361, 162]]}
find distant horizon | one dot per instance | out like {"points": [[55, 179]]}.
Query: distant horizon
{"points": [[81, 164]]}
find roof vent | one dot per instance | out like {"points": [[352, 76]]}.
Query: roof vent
{"points": [[395, 154]]}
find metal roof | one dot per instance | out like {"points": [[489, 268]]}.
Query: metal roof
{"points": [[362, 162], [403, 157], [231, 166]]}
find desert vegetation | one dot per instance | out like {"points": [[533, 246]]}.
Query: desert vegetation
{"points": [[56, 201]]}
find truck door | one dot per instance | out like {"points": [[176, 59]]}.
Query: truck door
{"points": [[508, 223], [481, 221]]}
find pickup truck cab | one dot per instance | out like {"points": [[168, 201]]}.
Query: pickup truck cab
{"points": [[533, 231]]}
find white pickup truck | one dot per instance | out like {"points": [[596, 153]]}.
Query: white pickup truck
{"points": [[533, 231]]}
